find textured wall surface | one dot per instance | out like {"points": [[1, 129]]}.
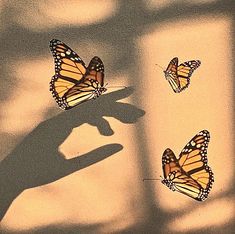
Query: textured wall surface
{"points": [[82, 170]]}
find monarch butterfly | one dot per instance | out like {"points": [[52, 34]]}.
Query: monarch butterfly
{"points": [[73, 82], [179, 75], [189, 174]]}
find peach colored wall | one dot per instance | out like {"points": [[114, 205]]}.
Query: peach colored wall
{"points": [[42, 147]]}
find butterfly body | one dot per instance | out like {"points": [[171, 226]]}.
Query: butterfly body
{"points": [[189, 174], [178, 76], [73, 82]]}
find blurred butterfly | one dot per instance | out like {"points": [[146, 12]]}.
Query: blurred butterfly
{"points": [[179, 75], [73, 82], [189, 174]]}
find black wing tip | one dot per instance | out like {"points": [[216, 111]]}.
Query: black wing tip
{"points": [[54, 42], [167, 150], [96, 58], [198, 62], [97, 64], [175, 59], [204, 130], [205, 133]]}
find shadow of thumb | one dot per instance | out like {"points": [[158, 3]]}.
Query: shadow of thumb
{"points": [[92, 157]]}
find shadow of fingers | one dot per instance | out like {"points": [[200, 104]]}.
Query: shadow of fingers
{"points": [[93, 157]]}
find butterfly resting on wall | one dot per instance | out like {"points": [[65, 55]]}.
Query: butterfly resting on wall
{"points": [[189, 174], [179, 75], [73, 82]]}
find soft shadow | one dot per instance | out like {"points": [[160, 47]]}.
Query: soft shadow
{"points": [[36, 160], [119, 32]]}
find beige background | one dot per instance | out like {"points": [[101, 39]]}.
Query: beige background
{"points": [[42, 148]]}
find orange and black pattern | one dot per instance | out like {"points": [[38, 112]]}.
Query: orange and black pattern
{"points": [[189, 174], [178, 76], [73, 83]]}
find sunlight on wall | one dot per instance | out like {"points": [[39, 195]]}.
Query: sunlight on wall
{"points": [[153, 4], [77, 194], [206, 104], [42, 15], [111, 193], [205, 217], [30, 98]]}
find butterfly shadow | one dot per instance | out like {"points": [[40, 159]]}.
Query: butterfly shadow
{"points": [[36, 160]]}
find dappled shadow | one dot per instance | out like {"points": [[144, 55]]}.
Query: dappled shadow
{"points": [[146, 227], [24, 165], [36, 160]]}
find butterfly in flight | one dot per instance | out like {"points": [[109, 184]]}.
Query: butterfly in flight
{"points": [[189, 174], [73, 82], [179, 75]]}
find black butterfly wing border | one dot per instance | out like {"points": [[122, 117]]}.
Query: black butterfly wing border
{"points": [[69, 71], [176, 179], [57, 47], [95, 70], [198, 143], [192, 64], [168, 158], [173, 63]]}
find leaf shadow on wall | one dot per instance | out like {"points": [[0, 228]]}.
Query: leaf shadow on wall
{"points": [[36, 160]]}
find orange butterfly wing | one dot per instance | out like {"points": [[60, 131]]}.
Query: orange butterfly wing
{"points": [[171, 74], [185, 71], [91, 86], [175, 178], [172, 66], [178, 76], [189, 174], [95, 70], [73, 83], [193, 160]]}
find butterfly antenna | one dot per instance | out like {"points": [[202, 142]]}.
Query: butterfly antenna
{"points": [[152, 179], [160, 66], [115, 87]]}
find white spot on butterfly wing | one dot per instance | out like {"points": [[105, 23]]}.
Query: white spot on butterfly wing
{"points": [[192, 143]]}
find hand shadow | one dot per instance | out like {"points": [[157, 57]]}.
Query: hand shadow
{"points": [[36, 160]]}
